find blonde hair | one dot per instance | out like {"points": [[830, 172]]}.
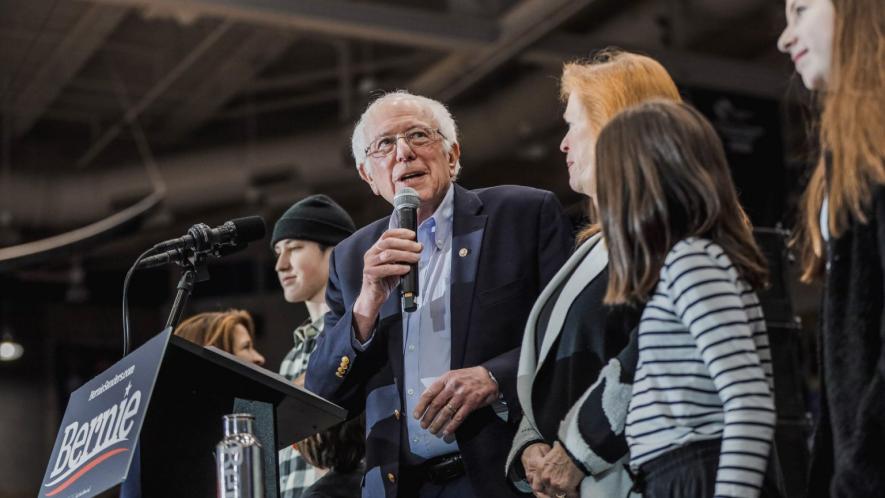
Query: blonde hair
{"points": [[852, 132], [611, 81], [216, 328]]}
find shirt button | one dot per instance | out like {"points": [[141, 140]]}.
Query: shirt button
{"points": [[411, 392], [391, 477], [415, 440], [411, 347]]}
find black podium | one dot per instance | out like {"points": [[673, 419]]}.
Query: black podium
{"points": [[176, 392], [195, 388]]}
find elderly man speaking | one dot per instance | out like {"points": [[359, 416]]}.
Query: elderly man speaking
{"points": [[434, 383]]}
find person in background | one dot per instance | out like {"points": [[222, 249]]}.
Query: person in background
{"points": [[232, 331], [339, 452], [302, 240], [571, 434], [701, 416], [838, 48]]}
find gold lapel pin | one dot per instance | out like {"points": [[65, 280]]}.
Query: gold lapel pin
{"points": [[463, 252]]}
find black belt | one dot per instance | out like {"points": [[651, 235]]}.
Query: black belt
{"points": [[437, 470]]}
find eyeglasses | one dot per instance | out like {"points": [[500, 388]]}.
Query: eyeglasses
{"points": [[416, 137]]}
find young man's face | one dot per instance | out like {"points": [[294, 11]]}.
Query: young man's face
{"points": [[303, 269]]}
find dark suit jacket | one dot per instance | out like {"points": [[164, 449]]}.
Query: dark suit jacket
{"points": [[515, 238]]}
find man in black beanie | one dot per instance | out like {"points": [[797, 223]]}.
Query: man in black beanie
{"points": [[303, 239]]}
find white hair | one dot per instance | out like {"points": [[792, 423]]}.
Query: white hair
{"points": [[438, 111]]}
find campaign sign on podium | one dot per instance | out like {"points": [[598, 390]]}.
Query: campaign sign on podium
{"points": [[94, 445]]}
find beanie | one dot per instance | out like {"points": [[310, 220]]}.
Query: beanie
{"points": [[317, 218]]}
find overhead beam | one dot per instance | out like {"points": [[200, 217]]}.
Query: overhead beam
{"points": [[72, 52], [522, 26], [153, 94], [382, 23], [239, 68], [415, 27], [691, 69]]}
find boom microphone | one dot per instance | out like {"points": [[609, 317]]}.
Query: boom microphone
{"points": [[201, 238], [179, 255], [406, 204]]}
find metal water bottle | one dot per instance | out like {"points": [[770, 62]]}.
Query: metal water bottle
{"points": [[238, 459]]}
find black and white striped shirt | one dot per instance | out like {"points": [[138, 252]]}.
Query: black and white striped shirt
{"points": [[704, 368]]}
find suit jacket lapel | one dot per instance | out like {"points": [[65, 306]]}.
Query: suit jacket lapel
{"points": [[587, 266], [468, 227], [529, 359]]}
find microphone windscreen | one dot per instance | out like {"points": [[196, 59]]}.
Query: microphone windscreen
{"points": [[406, 198], [249, 228]]}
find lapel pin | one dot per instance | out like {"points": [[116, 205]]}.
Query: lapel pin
{"points": [[463, 252]]}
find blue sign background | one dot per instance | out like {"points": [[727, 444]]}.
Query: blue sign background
{"points": [[94, 446]]}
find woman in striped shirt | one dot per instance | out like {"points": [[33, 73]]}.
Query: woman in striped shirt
{"points": [[701, 416]]}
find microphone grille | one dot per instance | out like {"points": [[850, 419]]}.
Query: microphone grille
{"points": [[249, 228], [406, 198]]}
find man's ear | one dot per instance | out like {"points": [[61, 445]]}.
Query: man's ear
{"points": [[367, 177], [454, 155]]}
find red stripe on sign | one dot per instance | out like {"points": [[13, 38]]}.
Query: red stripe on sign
{"points": [[89, 466]]}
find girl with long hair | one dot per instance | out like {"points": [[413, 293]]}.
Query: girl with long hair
{"points": [[838, 48], [701, 416]]}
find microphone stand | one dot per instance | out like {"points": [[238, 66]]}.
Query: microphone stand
{"points": [[194, 271]]}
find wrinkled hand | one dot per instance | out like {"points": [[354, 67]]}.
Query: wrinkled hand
{"points": [[383, 264], [532, 461], [559, 475], [454, 395]]}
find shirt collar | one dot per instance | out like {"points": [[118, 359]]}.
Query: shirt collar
{"points": [[308, 330], [442, 217]]}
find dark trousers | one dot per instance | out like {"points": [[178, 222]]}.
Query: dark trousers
{"points": [[689, 472], [412, 487]]}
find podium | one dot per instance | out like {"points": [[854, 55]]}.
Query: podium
{"points": [[161, 407]]}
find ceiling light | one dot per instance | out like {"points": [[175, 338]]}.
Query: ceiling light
{"points": [[10, 350]]}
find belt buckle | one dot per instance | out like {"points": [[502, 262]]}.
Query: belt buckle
{"points": [[446, 470]]}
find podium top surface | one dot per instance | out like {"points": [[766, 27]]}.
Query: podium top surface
{"points": [[300, 413]]}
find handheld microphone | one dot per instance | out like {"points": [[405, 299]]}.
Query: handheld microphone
{"points": [[406, 204], [201, 238]]}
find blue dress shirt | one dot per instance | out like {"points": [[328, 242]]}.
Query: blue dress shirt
{"points": [[427, 337]]}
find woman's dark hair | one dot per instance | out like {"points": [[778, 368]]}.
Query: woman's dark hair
{"points": [[662, 177], [340, 448]]}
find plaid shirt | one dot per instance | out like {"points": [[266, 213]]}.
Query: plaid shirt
{"points": [[296, 475]]}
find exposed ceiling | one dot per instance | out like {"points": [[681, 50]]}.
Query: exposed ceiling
{"points": [[249, 103]]}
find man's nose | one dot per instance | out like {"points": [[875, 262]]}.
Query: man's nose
{"points": [[404, 151]]}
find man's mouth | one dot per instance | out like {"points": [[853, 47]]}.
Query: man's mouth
{"points": [[411, 175]]}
